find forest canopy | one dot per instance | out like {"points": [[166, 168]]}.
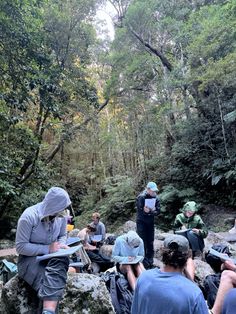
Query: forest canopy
{"points": [[101, 117]]}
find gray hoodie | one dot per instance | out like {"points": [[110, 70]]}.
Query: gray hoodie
{"points": [[35, 232]]}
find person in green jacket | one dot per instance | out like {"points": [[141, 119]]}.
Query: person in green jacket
{"points": [[189, 224]]}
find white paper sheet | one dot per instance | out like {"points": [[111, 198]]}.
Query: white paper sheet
{"points": [[150, 203]]}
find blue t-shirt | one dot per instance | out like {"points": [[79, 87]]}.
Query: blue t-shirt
{"points": [[160, 292]]}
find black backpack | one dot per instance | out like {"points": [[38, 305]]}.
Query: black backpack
{"points": [[110, 240], [121, 295], [214, 261], [211, 285]]}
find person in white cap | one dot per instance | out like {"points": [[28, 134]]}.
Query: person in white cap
{"points": [[128, 253], [148, 206], [41, 230], [167, 290]]}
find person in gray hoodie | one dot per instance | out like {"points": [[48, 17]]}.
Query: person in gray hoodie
{"points": [[41, 229]]}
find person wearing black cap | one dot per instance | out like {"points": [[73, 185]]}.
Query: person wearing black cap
{"points": [[167, 290], [148, 206]]}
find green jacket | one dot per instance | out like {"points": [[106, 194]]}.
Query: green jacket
{"points": [[194, 221]]}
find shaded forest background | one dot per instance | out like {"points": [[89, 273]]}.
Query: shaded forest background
{"points": [[102, 117]]}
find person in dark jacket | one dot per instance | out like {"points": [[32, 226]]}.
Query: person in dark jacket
{"points": [[148, 206], [41, 230]]}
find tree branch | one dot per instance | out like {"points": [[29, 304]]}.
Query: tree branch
{"points": [[67, 136], [153, 50]]}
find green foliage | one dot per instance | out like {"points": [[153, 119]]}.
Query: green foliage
{"points": [[116, 206], [172, 200]]}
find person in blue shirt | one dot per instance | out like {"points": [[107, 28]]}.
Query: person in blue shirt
{"points": [[145, 220], [128, 253], [229, 305], [100, 230], [167, 290]]}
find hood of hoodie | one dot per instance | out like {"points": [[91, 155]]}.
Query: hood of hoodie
{"points": [[133, 239], [190, 206], [55, 201]]}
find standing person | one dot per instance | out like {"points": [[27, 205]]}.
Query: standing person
{"points": [[193, 227], [167, 290], [145, 220], [129, 247], [100, 229], [41, 230]]}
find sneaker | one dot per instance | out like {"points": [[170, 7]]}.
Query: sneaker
{"points": [[48, 312]]}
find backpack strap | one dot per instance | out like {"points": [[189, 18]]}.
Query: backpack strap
{"points": [[113, 293]]}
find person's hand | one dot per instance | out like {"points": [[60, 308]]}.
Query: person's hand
{"points": [[131, 258], [64, 246], [54, 247], [228, 265], [195, 230], [146, 209]]}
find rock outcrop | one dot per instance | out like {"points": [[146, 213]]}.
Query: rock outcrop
{"points": [[84, 294]]}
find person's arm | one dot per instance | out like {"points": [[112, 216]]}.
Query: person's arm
{"points": [[103, 232], [23, 244], [201, 227], [228, 265], [140, 203], [177, 223], [63, 234], [157, 207], [116, 253], [141, 250]]}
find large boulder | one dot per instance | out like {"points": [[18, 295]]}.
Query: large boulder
{"points": [[106, 249], [128, 226], [9, 254], [202, 269], [84, 293]]}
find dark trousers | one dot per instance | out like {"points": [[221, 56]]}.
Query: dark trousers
{"points": [[103, 261], [196, 242], [146, 233]]}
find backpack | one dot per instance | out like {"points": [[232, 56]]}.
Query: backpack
{"points": [[214, 261], [211, 285], [110, 240], [103, 261], [121, 295], [7, 270]]}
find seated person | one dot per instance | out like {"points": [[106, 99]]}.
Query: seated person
{"points": [[224, 302], [41, 230], [82, 254], [100, 230], [127, 248], [229, 305], [102, 261], [195, 228], [84, 235], [167, 290]]}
